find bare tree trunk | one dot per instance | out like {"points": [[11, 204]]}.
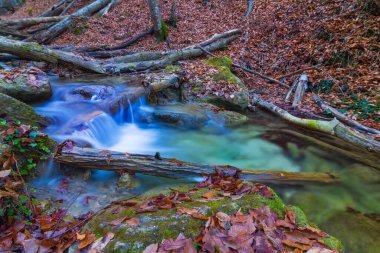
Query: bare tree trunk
{"points": [[52, 11], [89, 158], [155, 16]]}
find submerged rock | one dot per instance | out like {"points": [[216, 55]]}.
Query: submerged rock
{"points": [[194, 115], [357, 232], [17, 110], [27, 87]]}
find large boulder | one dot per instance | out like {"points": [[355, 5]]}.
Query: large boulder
{"points": [[194, 115], [26, 85], [17, 110], [237, 101]]}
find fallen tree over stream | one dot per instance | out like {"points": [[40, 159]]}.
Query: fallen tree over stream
{"points": [[333, 127], [89, 158]]}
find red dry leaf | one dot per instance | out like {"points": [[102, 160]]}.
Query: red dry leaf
{"points": [[209, 195], [133, 222], [85, 239]]}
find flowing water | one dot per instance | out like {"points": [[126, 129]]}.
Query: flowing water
{"points": [[266, 143]]}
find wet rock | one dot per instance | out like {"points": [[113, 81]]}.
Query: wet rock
{"points": [[17, 110], [194, 115], [9, 5], [237, 101], [28, 88], [357, 232]]}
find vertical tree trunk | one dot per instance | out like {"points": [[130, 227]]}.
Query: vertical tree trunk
{"points": [[155, 15]]}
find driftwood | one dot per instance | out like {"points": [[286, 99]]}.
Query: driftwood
{"points": [[23, 22], [89, 158], [343, 118], [48, 35], [332, 127], [143, 61]]}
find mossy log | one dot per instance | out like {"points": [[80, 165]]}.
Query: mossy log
{"points": [[141, 61], [332, 127], [88, 158]]}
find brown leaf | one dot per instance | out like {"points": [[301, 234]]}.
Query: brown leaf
{"points": [[100, 244], [151, 248], [87, 240], [118, 221], [184, 210], [5, 173], [133, 222], [209, 195]]}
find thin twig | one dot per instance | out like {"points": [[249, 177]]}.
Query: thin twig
{"points": [[299, 71], [65, 212]]}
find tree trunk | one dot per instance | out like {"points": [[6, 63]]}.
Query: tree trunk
{"points": [[88, 158], [300, 91], [155, 16]]}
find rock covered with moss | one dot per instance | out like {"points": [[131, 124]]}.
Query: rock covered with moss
{"points": [[153, 227], [28, 86]]}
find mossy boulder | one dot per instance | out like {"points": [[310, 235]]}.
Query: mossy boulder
{"points": [[156, 226], [17, 110], [237, 101], [224, 65], [26, 90], [194, 115]]}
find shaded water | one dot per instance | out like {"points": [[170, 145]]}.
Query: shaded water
{"points": [[266, 143]]}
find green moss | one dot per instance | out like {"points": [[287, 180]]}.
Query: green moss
{"points": [[164, 31], [171, 68], [223, 61], [301, 219], [226, 75], [333, 243]]}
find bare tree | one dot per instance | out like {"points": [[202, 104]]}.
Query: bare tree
{"points": [[158, 25]]}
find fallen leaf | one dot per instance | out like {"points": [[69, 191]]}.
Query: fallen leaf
{"points": [[133, 222], [5, 173], [209, 195]]}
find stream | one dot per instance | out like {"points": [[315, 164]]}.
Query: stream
{"points": [[348, 210]]}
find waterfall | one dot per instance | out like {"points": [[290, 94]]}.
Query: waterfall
{"points": [[132, 117], [100, 131]]}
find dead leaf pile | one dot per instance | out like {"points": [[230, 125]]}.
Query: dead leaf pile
{"points": [[34, 77]]}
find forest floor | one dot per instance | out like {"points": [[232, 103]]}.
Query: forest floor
{"points": [[280, 37]]}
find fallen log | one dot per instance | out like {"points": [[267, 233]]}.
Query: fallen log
{"points": [[31, 21], [332, 127], [34, 51], [48, 35], [300, 91], [13, 32], [88, 158], [138, 62], [340, 116]]}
